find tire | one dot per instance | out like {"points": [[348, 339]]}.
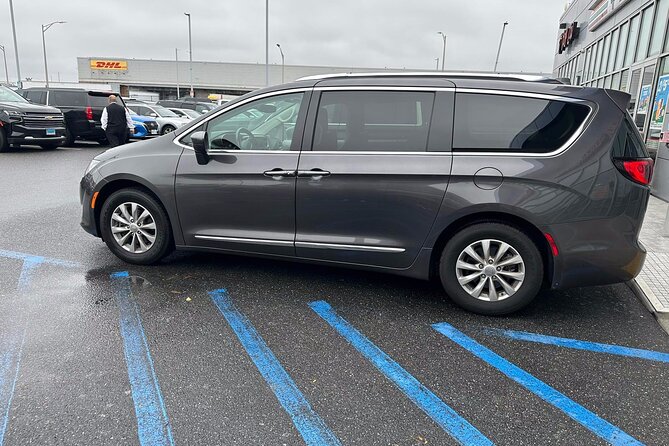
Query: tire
{"points": [[515, 294], [162, 244], [69, 138], [167, 129], [4, 143]]}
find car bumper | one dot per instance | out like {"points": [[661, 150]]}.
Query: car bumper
{"points": [[86, 191], [26, 135]]}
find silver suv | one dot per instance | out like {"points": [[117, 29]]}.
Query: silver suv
{"points": [[495, 185]]}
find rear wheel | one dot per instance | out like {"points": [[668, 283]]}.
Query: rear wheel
{"points": [[491, 268], [69, 138], [4, 143], [135, 227]]}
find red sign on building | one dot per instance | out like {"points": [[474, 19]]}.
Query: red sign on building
{"points": [[567, 37]]}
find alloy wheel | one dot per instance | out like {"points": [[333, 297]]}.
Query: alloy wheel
{"points": [[133, 227]]}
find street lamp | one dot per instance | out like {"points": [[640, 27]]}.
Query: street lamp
{"points": [[16, 47], [443, 53], [283, 62], [4, 56], [176, 53], [190, 52], [500, 46], [45, 28], [437, 59]]}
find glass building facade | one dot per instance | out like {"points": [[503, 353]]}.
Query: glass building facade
{"points": [[622, 45]]}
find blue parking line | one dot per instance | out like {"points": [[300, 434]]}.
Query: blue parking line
{"points": [[447, 418], [312, 428], [579, 345], [10, 365], [30, 264], [600, 427], [153, 425]]}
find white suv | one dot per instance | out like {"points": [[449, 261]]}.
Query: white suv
{"points": [[168, 121]]}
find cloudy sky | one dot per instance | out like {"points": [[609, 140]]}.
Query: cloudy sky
{"points": [[361, 33]]}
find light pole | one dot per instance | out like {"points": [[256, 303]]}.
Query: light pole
{"points": [[176, 57], [266, 43], [501, 39], [190, 52], [283, 62], [16, 47], [443, 52], [437, 59], [4, 56], [45, 28]]}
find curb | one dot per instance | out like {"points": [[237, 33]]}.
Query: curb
{"points": [[647, 296]]}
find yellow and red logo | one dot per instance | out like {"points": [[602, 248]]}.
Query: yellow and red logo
{"points": [[109, 65]]}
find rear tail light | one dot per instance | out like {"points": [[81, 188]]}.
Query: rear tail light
{"points": [[89, 113], [638, 170]]}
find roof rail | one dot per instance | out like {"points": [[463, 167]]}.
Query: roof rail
{"points": [[443, 74]]}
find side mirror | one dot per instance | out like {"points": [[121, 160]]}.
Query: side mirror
{"points": [[201, 146], [153, 115]]}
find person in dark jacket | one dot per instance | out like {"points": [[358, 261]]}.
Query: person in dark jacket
{"points": [[116, 122]]}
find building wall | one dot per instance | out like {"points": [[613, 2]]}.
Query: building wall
{"points": [[627, 50]]}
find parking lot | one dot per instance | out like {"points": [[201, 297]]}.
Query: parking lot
{"points": [[207, 349]]}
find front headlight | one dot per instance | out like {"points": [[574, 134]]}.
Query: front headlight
{"points": [[94, 162], [14, 115]]}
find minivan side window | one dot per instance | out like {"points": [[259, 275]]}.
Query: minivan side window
{"points": [[380, 121], [500, 123]]}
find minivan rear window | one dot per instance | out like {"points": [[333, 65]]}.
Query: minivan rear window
{"points": [[494, 123]]}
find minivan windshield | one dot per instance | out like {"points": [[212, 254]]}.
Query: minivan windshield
{"points": [[7, 95]]}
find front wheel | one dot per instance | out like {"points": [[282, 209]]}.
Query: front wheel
{"points": [[135, 227], [491, 269], [168, 129], [4, 143]]}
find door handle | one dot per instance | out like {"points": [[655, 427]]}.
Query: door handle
{"points": [[313, 173], [279, 173]]}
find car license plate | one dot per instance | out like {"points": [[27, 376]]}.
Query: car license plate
{"points": [[154, 132], [50, 132]]}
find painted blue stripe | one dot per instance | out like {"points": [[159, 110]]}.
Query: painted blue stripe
{"points": [[153, 426], [308, 423], [579, 345], [10, 365], [447, 418], [600, 427], [37, 259]]}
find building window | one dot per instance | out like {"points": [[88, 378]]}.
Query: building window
{"points": [[615, 81], [622, 41], [644, 34], [598, 62], [633, 39], [658, 107], [624, 76], [605, 54], [614, 48], [659, 26]]}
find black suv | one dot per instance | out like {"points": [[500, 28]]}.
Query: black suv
{"points": [[198, 105], [82, 110], [495, 185], [24, 123]]}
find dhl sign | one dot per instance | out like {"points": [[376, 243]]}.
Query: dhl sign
{"points": [[109, 65]]}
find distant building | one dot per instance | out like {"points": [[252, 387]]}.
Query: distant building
{"points": [[619, 44]]}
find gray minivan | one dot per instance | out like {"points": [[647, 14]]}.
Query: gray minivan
{"points": [[495, 185]]}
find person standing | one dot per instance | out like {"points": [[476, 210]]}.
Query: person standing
{"points": [[116, 122]]}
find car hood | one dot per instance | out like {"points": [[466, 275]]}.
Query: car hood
{"points": [[28, 107]]}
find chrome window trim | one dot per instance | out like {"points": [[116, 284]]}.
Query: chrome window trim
{"points": [[178, 142], [383, 88], [251, 241], [341, 246]]}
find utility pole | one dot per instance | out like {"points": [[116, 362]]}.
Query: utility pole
{"points": [[45, 28], [176, 53], [437, 59], [443, 52], [501, 39], [283, 63], [190, 52], [4, 56], [16, 46], [266, 43]]}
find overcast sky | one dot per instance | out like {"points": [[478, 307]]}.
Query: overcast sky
{"points": [[360, 33]]}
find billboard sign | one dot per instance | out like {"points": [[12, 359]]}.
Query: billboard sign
{"points": [[116, 65]]}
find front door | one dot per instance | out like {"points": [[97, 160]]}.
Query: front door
{"points": [[369, 190], [244, 198]]}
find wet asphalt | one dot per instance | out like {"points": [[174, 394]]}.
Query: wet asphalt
{"points": [[73, 383]]}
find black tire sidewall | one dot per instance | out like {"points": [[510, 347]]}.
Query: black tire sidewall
{"points": [[163, 243], [524, 245], [167, 126], [4, 142]]}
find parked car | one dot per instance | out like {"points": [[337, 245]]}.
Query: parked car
{"points": [[82, 110], [199, 105], [168, 121], [185, 113], [23, 123], [498, 186], [145, 127]]}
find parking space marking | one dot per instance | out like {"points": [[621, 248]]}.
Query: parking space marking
{"points": [[579, 345], [600, 427], [447, 418], [153, 426], [30, 263], [10, 365], [311, 427]]}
